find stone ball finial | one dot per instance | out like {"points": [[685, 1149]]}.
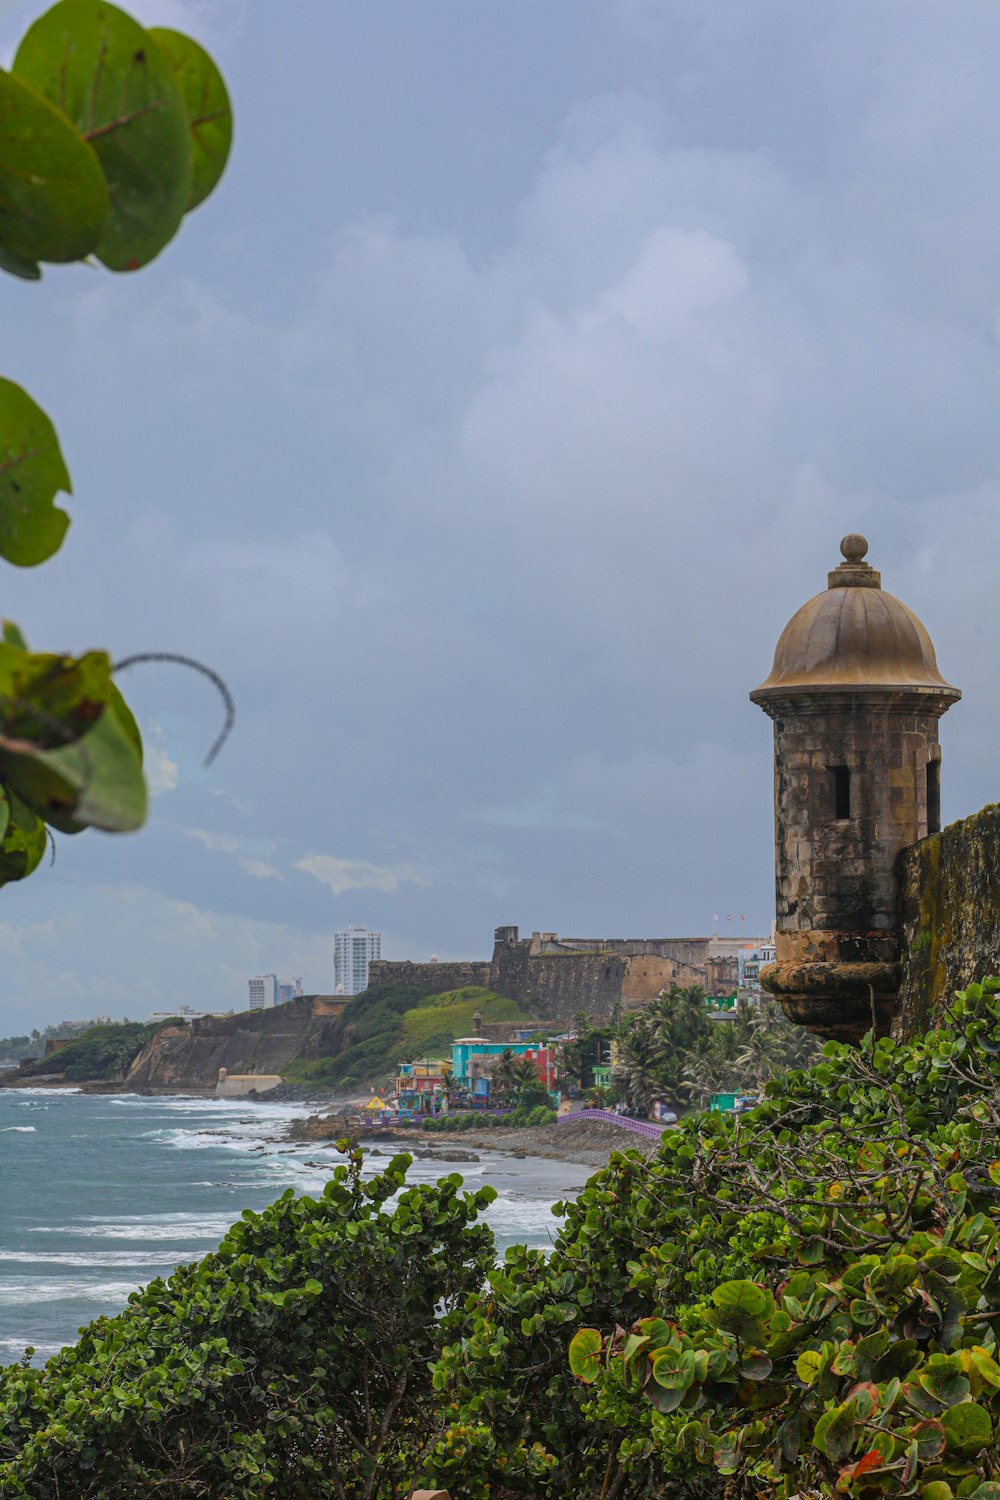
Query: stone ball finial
{"points": [[854, 546]]}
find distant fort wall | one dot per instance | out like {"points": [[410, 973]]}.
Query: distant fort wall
{"points": [[429, 978], [559, 977]]}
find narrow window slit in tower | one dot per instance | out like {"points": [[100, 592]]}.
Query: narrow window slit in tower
{"points": [[933, 796], [841, 792]]}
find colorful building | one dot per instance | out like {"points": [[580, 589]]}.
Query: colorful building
{"points": [[422, 1086], [429, 1075], [473, 1060]]}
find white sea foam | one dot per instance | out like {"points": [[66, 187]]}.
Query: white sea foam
{"points": [[50, 1093], [94, 1260], [18, 1130], [141, 1227], [71, 1289]]}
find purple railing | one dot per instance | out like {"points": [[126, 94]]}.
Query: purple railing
{"points": [[641, 1127]]}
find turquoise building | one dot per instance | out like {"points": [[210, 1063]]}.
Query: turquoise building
{"points": [[469, 1052]]}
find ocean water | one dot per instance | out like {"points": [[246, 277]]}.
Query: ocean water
{"points": [[101, 1193]]}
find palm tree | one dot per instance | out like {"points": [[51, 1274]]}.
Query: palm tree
{"points": [[774, 1046], [638, 1069], [525, 1075], [504, 1077]]}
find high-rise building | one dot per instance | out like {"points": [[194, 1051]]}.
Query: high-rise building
{"points": [[289, 989], [353, 950], [263, 991]]}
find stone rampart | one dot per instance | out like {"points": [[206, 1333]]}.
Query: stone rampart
{"points": [[949, 887], [431, 978], [556, 981], [557, 985], [647, 977]]}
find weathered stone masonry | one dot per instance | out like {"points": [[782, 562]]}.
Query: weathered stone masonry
{"points": [[557, 977], [950, 908]]}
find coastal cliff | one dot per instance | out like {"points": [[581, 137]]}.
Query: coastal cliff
{"points": [[255, 1041]]}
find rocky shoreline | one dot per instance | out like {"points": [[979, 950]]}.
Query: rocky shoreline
{"points": [[586, 1143]]}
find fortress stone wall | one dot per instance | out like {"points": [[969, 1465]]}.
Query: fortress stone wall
{"points": [[430, 978], [949, 889], [557, 977]]}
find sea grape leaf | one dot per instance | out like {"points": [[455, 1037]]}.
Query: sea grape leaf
{"points": [[585, 1354], [32, 473], [126, 719], [104, 71], [930, 1439], [808, 1365], [47, 701], [967, 1428], [53, 197], [673, 1369], [17, 265], [209, 112], [741, 1305], [95, 783], [835, 1432], [24, 839]]}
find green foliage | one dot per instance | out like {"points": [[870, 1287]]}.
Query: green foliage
{"points": [[800, 1302], [523, 1116], [111, 133], [206, 101], [113, 81], [70, 752], [33, 1045], [672, 1051], [32, 473], [53, 196], [294, 1362], [100, 1052], [855, 1350]]}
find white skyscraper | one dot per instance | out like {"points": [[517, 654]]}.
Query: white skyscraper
{"points": [[263, 991], [353, 950]]}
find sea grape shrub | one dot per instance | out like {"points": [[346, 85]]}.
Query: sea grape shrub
{"points": [[111, 134], [70, 752], [855, 1351], [519, 1415], [293, 1362]]}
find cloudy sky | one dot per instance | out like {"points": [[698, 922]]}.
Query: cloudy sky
{"points": [[483, 431]]}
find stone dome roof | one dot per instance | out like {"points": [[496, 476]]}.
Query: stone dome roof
{"points": [[854, 635]]}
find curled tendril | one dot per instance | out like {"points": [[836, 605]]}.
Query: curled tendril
{"points": [[52, 845], [197, 666]]}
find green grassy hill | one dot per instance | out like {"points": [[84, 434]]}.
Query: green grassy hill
{"points": [[394, 1024]]}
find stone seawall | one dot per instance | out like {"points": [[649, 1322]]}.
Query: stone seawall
{"points": [[949, 888]]}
